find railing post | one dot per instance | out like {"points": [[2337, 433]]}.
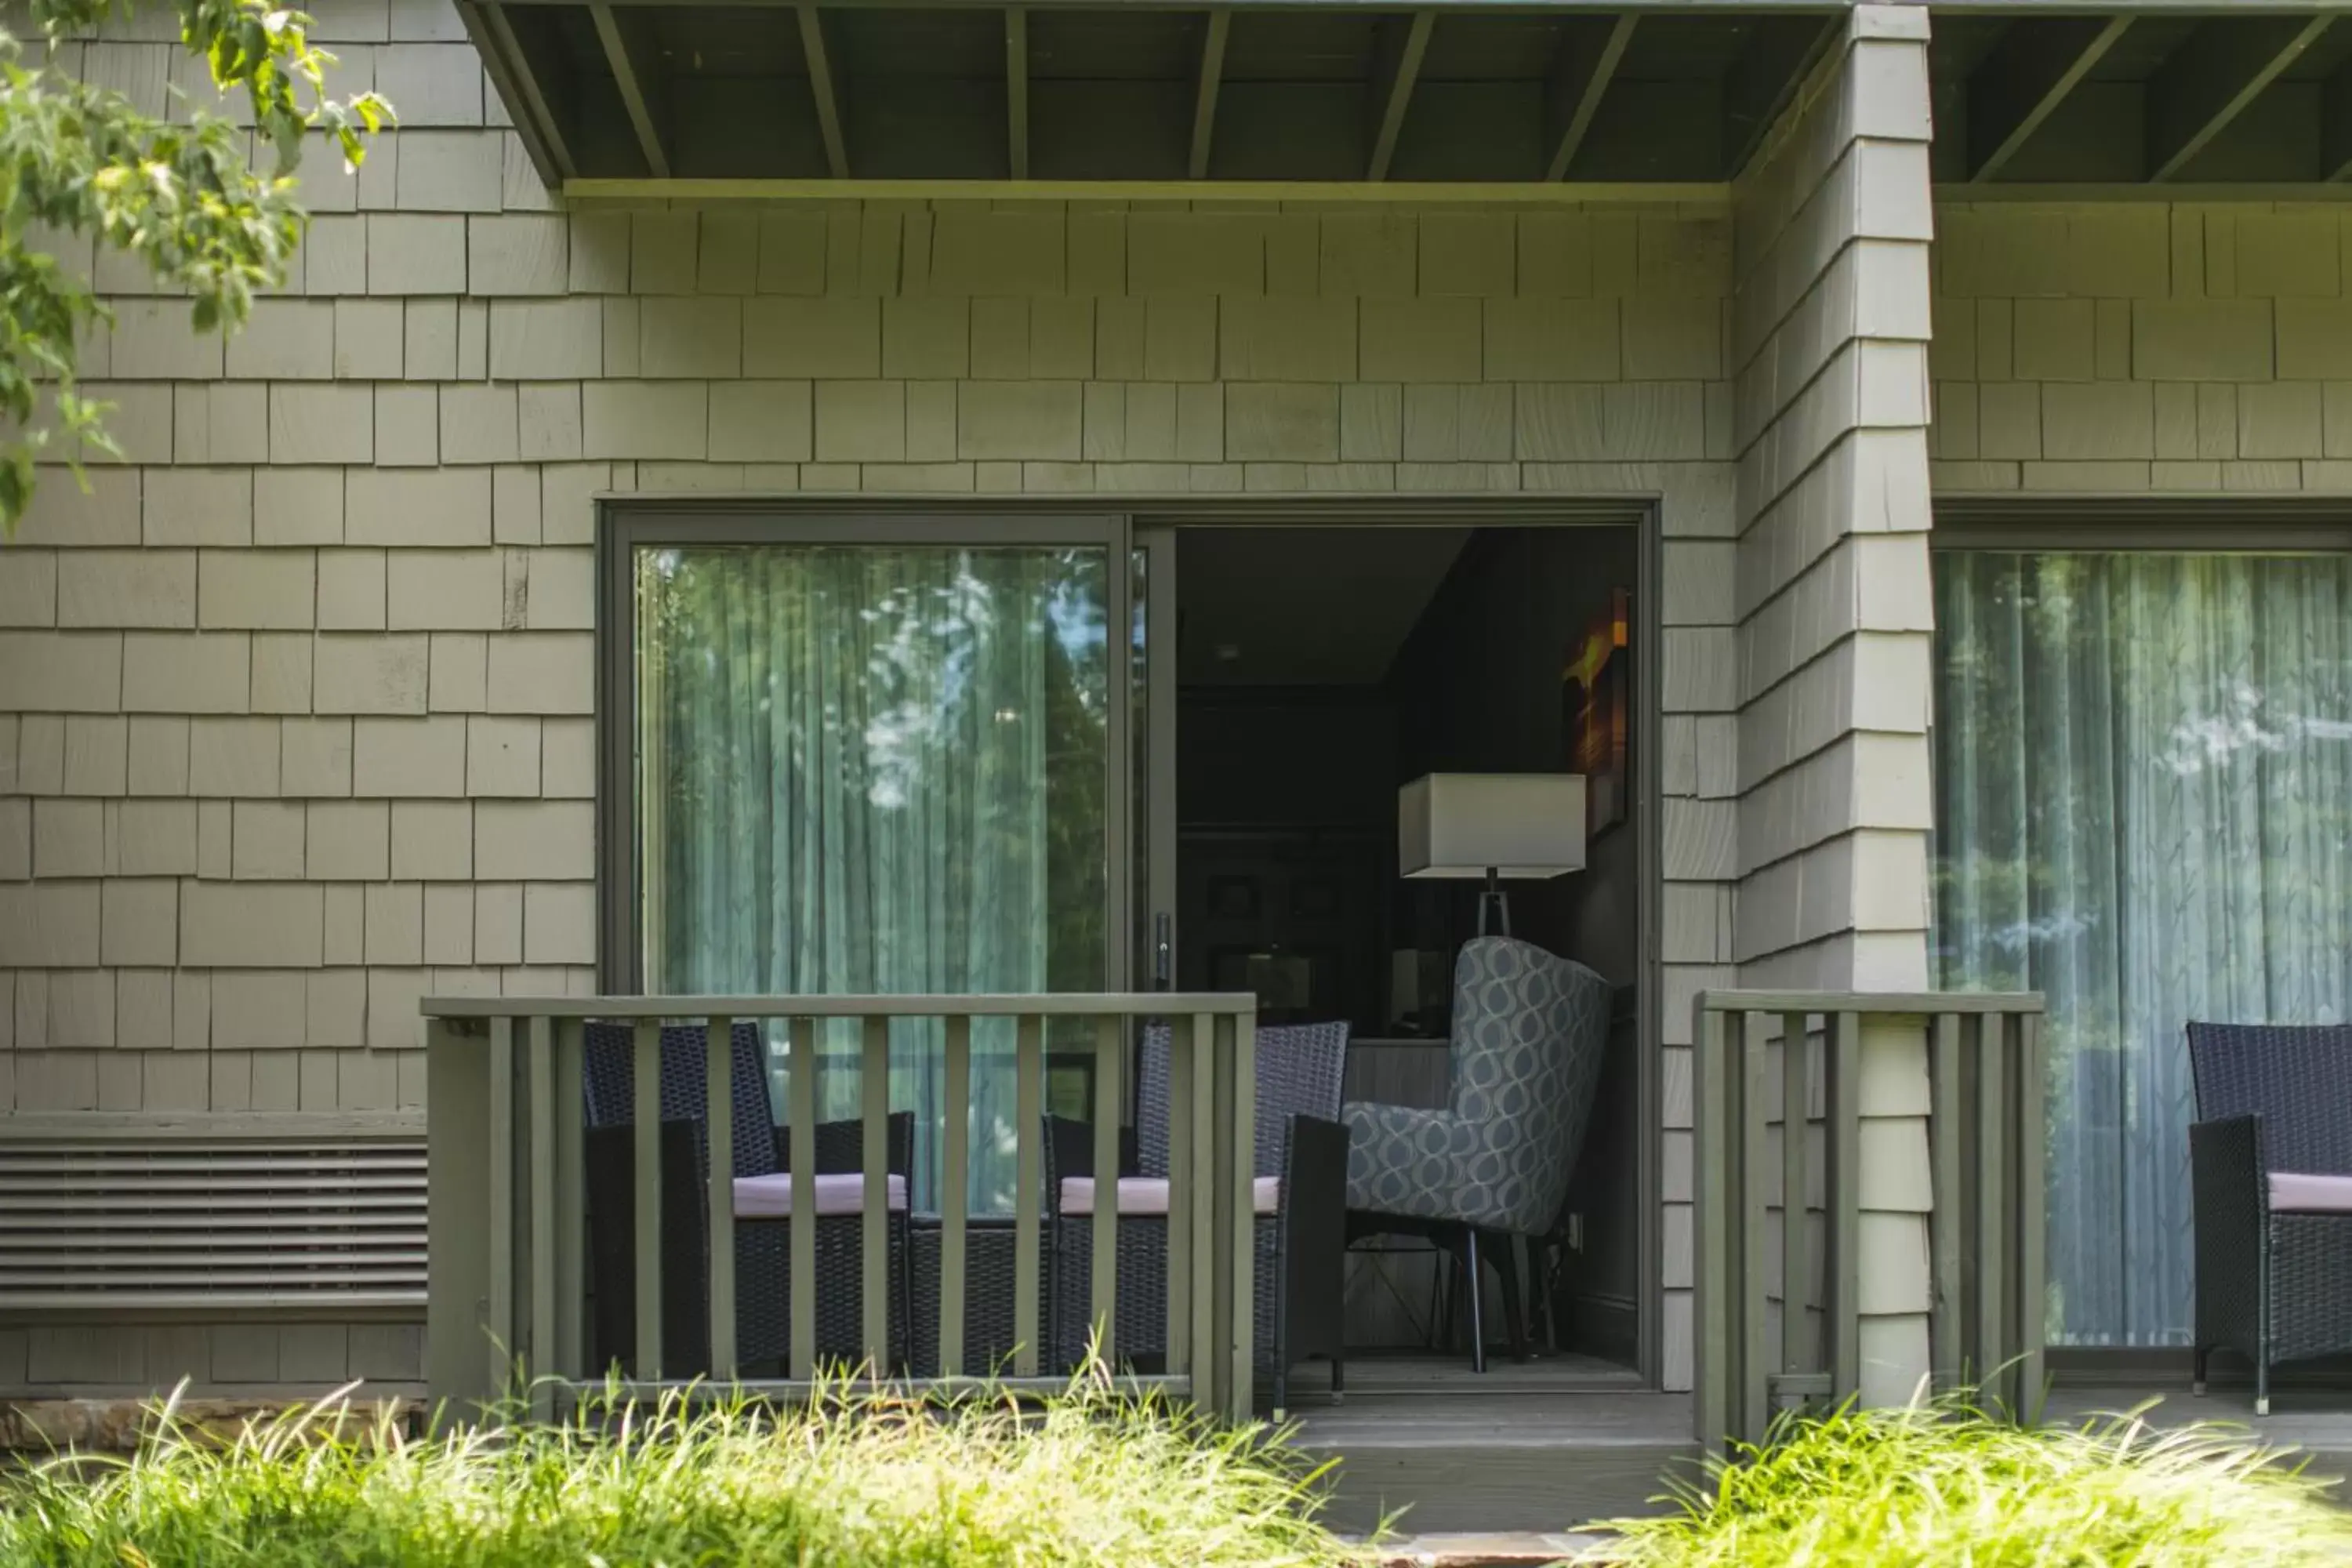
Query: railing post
{"points": [[1240, 1196], [1947, 1105], [955, 1202], [1201, 1273], [718, 1115], [1755, 1394], [1797, 1346], [1714, 1349], [457, 1232], [1181, 1254], [545, 1362], [1994, 1278], [2032, 1242], [800, 1114], [646, 1185], [1029, 1325], [502, 1347], [1842, 1193], [873, 1087], [1102, 1296], [570, 1197]]}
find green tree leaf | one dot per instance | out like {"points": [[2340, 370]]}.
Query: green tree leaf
{"points": [[187, 198]]}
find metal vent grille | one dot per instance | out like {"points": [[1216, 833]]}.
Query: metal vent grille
{"points": [[111, 1224]]}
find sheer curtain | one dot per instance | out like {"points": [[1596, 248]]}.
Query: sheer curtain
{"points": [[877, 769], [2143, 775]]}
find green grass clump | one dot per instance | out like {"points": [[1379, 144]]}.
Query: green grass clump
{"points": [[854, 1480], [1944, 1484]]}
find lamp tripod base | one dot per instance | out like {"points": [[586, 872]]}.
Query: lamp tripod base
{"points": [[1492, 897]]}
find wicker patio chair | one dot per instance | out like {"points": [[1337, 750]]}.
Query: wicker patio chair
{"points": [[763, 1159], [1300, 1162], [1529, 1032], [2270, 1163]]}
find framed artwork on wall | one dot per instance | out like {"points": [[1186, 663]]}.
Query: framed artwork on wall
{"points": [[1596, 702]]}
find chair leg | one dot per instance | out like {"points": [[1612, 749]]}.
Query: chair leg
{"points": [[2197, 1361], [1338, 1380], [1477, 1288], [1514, 1315], [2261, 1385]]}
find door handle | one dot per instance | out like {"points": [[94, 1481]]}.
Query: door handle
{"points": [[1163, 951]]}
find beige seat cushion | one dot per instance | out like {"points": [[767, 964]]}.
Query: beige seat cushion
{"points": [[1142, 1195], [2293, 1192], [771, 1197]]}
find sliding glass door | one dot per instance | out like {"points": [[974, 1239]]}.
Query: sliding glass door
{"points": [[894, 758], [2144, 810]]}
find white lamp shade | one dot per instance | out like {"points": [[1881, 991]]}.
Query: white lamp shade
{"points": [[1516, 825]]}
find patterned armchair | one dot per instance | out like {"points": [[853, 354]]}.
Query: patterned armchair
{"points": [[1530, 1031], [2270, 1170]]}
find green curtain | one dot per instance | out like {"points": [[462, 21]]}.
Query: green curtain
{"points": [[2143, 782], [877, 769]]}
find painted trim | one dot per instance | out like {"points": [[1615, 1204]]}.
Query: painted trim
{"points": [[277, 1127], [1515, 192], [2263, 525], [1961, 192]]}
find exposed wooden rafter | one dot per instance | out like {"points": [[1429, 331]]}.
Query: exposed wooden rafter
{"points": [[1016, 89], [1764, 82], [2027, 76], [1404, 42], [826, 88], [2212, 77], [1204, 91], [538, 106], [1578, 79], [630, 48]]}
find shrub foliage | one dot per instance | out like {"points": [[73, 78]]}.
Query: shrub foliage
{"points": [[851, 1480]]}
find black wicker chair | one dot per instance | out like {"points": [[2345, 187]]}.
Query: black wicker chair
{"points": [[990, 1334], [762, 1247], [1299, 1234], [2269, 1160]]}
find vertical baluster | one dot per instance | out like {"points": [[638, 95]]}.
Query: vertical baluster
{"points": [[955, 1158], [1180, 1201], [2033, 1208], [570, 1198], [539, 1109], [1028, 1102], [1102, 1301], [1244, 1212], [1841, 1190], [645, 1189], [501, 1325], [1715, 1270], [1994, 1278], [800, 1117], [1947, 1224], [718, 1203], [1797, 1345], [1756, 1184], [1201, 1214], [873, 1087]]}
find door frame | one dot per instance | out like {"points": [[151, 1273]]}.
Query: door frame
{"points": [[625, 521]]}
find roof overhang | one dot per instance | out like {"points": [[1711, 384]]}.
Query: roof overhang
{"points": [[1337, 97]]}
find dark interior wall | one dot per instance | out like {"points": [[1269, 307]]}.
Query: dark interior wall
{"points": [[1477, 688]]}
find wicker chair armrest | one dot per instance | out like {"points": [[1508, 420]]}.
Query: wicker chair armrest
{"points": [[1315, 1172], [2230, 1190]]}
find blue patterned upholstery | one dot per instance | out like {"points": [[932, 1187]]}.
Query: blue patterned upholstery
{"points": [[1529, 1030]]}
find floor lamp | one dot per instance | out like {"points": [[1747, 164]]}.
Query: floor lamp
{"points": [[1491, 827]]}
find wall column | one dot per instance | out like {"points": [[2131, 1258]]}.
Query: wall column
{"points": [[1829, 329]]}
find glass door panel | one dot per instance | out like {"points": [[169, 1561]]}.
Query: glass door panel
{"points": [[883, 769]]}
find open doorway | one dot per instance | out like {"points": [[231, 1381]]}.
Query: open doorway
{"points": [[1319, 669]]}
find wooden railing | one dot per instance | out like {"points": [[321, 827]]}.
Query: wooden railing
{"points": [[507, 1229], [1953, 1083]]}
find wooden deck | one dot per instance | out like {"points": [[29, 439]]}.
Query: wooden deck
{"points": [[1541, 1446], [1557, 1444]]}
